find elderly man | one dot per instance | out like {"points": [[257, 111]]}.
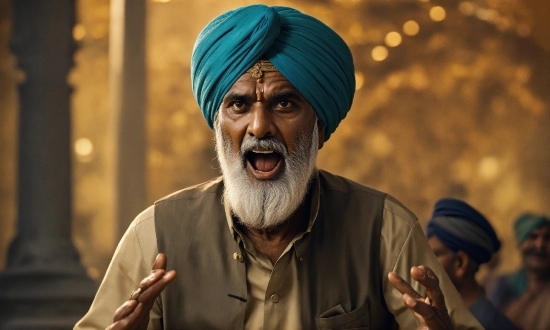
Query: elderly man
{"points": [[274, 243], [462, 239], [530, 310]]}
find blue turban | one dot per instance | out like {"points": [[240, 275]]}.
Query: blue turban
{"points": [[461, 227], [528, 222], [309, 54]]}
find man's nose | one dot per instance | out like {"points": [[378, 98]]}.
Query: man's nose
{"points": [[540, 243], [261, 121]]}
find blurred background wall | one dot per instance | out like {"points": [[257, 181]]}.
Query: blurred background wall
{"points": [[453, 99]]}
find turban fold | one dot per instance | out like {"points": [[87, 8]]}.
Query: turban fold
{"points": [[461, 227], [309, 54], [528, 222]]}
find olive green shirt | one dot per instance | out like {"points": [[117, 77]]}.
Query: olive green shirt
{"points": [[273, 289]]}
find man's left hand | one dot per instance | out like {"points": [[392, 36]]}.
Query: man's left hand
{"points": [[430, 310]]}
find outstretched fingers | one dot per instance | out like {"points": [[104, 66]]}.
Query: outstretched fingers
{"points": [[430, 310], [153, 285], [425, 276], [412, 299], [402, 286], [132, 320], [134, 313], [125, 309]]}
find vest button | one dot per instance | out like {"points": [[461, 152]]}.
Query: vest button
{"points": [[238, 257], [274, 298], [301, 258]]}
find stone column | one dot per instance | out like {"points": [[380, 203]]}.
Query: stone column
{"points": [[44, 285], [128, 106]]}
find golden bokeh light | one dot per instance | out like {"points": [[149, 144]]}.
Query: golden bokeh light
{"points": [[489, 168], [379, 53], [441, 117], [411, 28], [467, 8], [502, 23], [394, 81], [486, 14], [381, 144], [393, 39], [359, 80], [79, 32], [437, 13], [83, 148], [418, 79]]}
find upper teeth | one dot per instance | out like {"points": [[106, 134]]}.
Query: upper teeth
{"points": [[262, 151]]}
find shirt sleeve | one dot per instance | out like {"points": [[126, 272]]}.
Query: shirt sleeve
{"points": [[131, 262], [403, 245]]}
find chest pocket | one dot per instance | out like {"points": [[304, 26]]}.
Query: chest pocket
{"points": [[337, 318]]}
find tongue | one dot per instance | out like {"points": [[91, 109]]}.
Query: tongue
{"points": [[264, 162]]}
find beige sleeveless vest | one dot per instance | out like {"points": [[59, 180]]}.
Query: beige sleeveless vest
{"points": [[341, 260]]}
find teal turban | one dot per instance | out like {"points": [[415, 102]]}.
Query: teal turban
{"points": [[309, 54], [528, 222]]}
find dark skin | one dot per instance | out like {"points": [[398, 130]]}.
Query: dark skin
{"points": [[134, 314], [535, 252], [269, 107], [461, 270], [431, 310], [272, 107]]}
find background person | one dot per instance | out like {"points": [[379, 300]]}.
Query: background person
{"points": [[530, 310], [462, 239]]}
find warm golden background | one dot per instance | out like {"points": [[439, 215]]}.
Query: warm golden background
{"points": [[453, 99]]}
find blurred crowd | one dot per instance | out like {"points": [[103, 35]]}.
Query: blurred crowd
{"points": [[463, 240]]}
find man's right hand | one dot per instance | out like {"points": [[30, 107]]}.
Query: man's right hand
{"points": [[431, 310], [134, 313]]}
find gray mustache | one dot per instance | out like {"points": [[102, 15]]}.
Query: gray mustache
{"points": [[267, 143]]}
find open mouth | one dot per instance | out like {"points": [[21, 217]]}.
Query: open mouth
{"points": [[264, 163]]}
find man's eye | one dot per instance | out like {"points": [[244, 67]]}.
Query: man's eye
{"points": [[237, 104], [285, 104]]}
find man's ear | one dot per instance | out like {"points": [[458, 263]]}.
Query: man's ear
{"points": [[462, 263], [321, 131]]}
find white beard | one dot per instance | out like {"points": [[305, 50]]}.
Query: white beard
{"points": [[261, 204]]}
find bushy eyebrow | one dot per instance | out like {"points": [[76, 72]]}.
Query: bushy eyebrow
{"points": [[286, 95], [234, 96]]}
